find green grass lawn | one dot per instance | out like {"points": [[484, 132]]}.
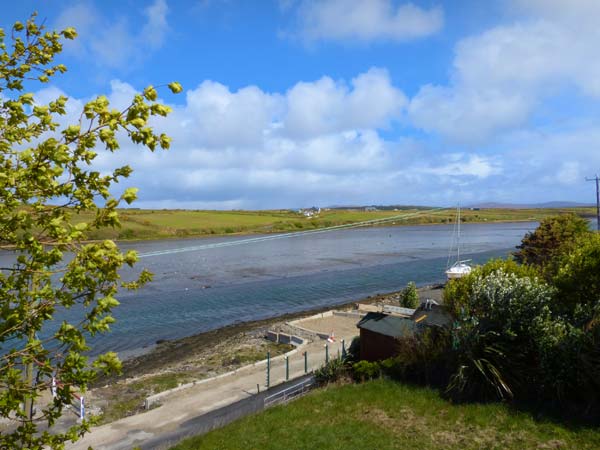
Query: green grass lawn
{"points": [[159, 224], [387, 415]]}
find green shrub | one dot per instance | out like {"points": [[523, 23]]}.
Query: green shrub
{"points": [[457, 291], [409, 297], [365, 370], [553, 237], [331, 372], [498, 336], [423, 358], [578, 280]]}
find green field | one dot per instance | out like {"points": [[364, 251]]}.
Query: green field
{"points": [[386, 415], [160, 224]]}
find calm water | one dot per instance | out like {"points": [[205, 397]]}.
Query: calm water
{"points": [[206, 289]]}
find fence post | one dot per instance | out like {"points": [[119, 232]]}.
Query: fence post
{"points": [[343, 349], [305, 362], [81, 408], [268, 369], [326, 354], [287, 368]]}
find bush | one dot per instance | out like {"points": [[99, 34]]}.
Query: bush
{"points": [[457, 291], [409, 297], [578, 280], [422, 359], [331, 372], [554, 236], [365, 370], [498, 336], [353, 352]]}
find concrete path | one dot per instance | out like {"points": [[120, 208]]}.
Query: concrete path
{"points": [[186, 405]]}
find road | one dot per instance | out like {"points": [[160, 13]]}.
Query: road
{"points": [[174, 417]]}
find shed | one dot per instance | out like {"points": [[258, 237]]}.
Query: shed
{"points": [[379, 333]]}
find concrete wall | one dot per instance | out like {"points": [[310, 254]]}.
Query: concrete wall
{"points": [[284, 338]]}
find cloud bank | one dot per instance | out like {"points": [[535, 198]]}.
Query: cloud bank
{"points": [[516, 120]]}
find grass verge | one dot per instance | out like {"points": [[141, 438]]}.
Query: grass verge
{"points": [[386, 415]]}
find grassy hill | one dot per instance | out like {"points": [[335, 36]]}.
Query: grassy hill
{"points": [[386, 415], [160, 224]]}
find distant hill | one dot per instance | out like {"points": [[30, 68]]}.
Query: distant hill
{"points": [[555, 204], [482, 205], [378, 207]]}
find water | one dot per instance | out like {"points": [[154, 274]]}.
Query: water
{"points": [[201, 290]]}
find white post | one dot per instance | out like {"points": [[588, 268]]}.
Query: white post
{"points": [[81, 408], [53, 387]]}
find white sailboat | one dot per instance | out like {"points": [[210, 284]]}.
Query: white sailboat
{"points": [[459, 268]]}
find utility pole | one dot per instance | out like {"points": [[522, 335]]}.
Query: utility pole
{"points": [[597, 180]]}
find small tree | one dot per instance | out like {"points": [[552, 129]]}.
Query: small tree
{"points": [[553, 236], [49, 192], [409, 297], [578, 279]]}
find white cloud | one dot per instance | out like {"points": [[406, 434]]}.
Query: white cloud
{"points": [[236, 148], [466, 115], [233, 149], [110, 41], [342, 20], [503, 74], [458, 165], [155, 29], [325, 106], [217, 117]]}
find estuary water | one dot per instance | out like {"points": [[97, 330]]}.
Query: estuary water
{"points": [[205, 289], [208, 288]]}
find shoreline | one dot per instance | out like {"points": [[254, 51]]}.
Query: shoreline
{"points": [[205, 355], [165, 354]]}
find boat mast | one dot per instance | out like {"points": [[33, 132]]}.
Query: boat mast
{"points": [[458, 237]]}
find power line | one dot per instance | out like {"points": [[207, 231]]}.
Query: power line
{"points": [[286, 235], [597, 180]]}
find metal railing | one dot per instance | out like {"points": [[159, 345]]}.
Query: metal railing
{"points": [[290, 393]]}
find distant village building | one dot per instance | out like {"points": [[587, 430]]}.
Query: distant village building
{"points": [[370, 208], [380, 331], [310, 212]]}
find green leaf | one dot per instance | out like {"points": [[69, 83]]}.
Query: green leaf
{"points": [[130, 195], [150, 93], [175, 87], [69, 33]]}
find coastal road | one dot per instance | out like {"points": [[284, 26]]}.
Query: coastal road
{"points": [[182, 408]]}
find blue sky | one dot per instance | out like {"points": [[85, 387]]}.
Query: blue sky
{"points": [[296, 103]]}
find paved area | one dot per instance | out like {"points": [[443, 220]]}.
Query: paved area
{"points": [[340, 325], [183, 406]]}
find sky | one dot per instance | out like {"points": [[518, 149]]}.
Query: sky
{"points": [[295, 103]]}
